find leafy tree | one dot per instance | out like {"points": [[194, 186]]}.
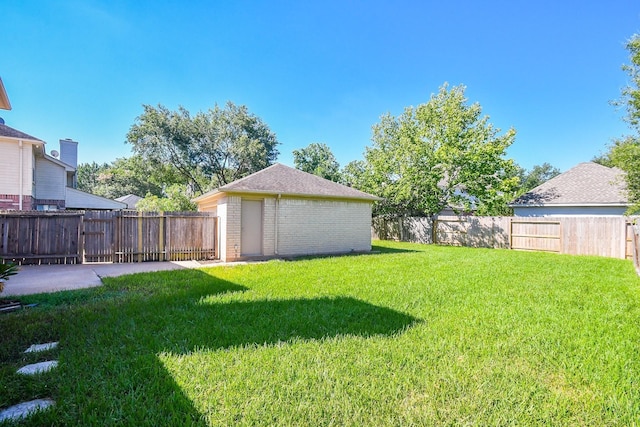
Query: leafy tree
{"points": [[631, 93], [539, 174], [126, 175], [207, 150], [438, 154], [175, 198], [88, 176], [317, 159], [625, 153], [354, 174]]}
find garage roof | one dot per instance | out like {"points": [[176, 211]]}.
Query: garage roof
{"points": [[284, 180]]}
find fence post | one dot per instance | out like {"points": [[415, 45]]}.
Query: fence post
{"points": [[434, 230], [162, 254], [81, 239], [636, 250], [140, 237]]}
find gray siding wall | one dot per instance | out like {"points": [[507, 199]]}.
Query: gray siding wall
{"points": [[51, 180]]}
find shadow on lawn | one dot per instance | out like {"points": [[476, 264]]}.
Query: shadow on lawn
{"points": [[117, 370], [377, 250]]}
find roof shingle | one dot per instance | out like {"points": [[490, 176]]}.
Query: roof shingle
{"points": [[10, 132], [585, 184], [281, 179]]}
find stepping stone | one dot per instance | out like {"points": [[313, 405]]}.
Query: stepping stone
{"points": [[41, 347], [37, 368], [24, 409]]}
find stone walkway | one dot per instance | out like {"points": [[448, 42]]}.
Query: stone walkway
{"points": [[24, 409]]}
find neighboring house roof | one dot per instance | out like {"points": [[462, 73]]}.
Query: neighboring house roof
{"points": [[131, 200], [9, 132], [284, 180], [4, 99], [587, 184], [76, 199]]}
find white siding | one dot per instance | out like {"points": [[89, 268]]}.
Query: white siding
{"points": [[51, 180], [10, 168]]}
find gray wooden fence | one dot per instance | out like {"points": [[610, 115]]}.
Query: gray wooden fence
{"points": [[603, 236], [41, 238], [105, 236]]}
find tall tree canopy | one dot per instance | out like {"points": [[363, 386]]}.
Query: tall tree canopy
{"points": [[539, 174], [624, 153], [126, 175], [207, 150], [438, 154], [317, 159]]}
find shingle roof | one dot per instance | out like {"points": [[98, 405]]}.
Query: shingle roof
{"points": [[10, 132], [585, 184], [281, 179], [131, 200]]}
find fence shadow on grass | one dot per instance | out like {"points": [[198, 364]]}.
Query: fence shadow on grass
{"points": [[113, 357]]}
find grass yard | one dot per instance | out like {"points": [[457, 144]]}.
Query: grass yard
{"points": [[414, 335]]}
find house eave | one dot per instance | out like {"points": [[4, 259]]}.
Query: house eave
{"points": [[4, 99], [31, 141]]}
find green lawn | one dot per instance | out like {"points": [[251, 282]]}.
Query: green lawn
{"points": [[413, 335]]}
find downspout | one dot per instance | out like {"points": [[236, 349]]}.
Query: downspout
{"points": [[21, 167], [277, 220]]}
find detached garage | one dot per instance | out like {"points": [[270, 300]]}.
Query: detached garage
{"points": [[280, 211]]}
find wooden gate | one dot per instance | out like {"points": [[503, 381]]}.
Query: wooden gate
{"points": [[536, 235], [98, 236], [171, 236]]}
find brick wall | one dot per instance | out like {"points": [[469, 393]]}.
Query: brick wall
{"points": [[233, 227], [304, 226], [12, 202], [308, 226]]}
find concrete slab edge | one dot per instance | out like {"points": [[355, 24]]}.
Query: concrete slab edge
{"points": [[22, 410]]}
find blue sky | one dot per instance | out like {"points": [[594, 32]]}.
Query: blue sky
{"points": [[318, 71]]}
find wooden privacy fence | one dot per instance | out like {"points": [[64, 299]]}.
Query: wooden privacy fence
{"points": [[634, 242], [106, 236], [39, 237], [590, 235]]}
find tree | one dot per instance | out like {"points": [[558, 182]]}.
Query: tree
{"points": [[438, 154], [631, 93], [354, 174], [317, 159], [88, 176], [539, 174], [625, 153], [175, 199], [207, 150], [125, 175]]}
